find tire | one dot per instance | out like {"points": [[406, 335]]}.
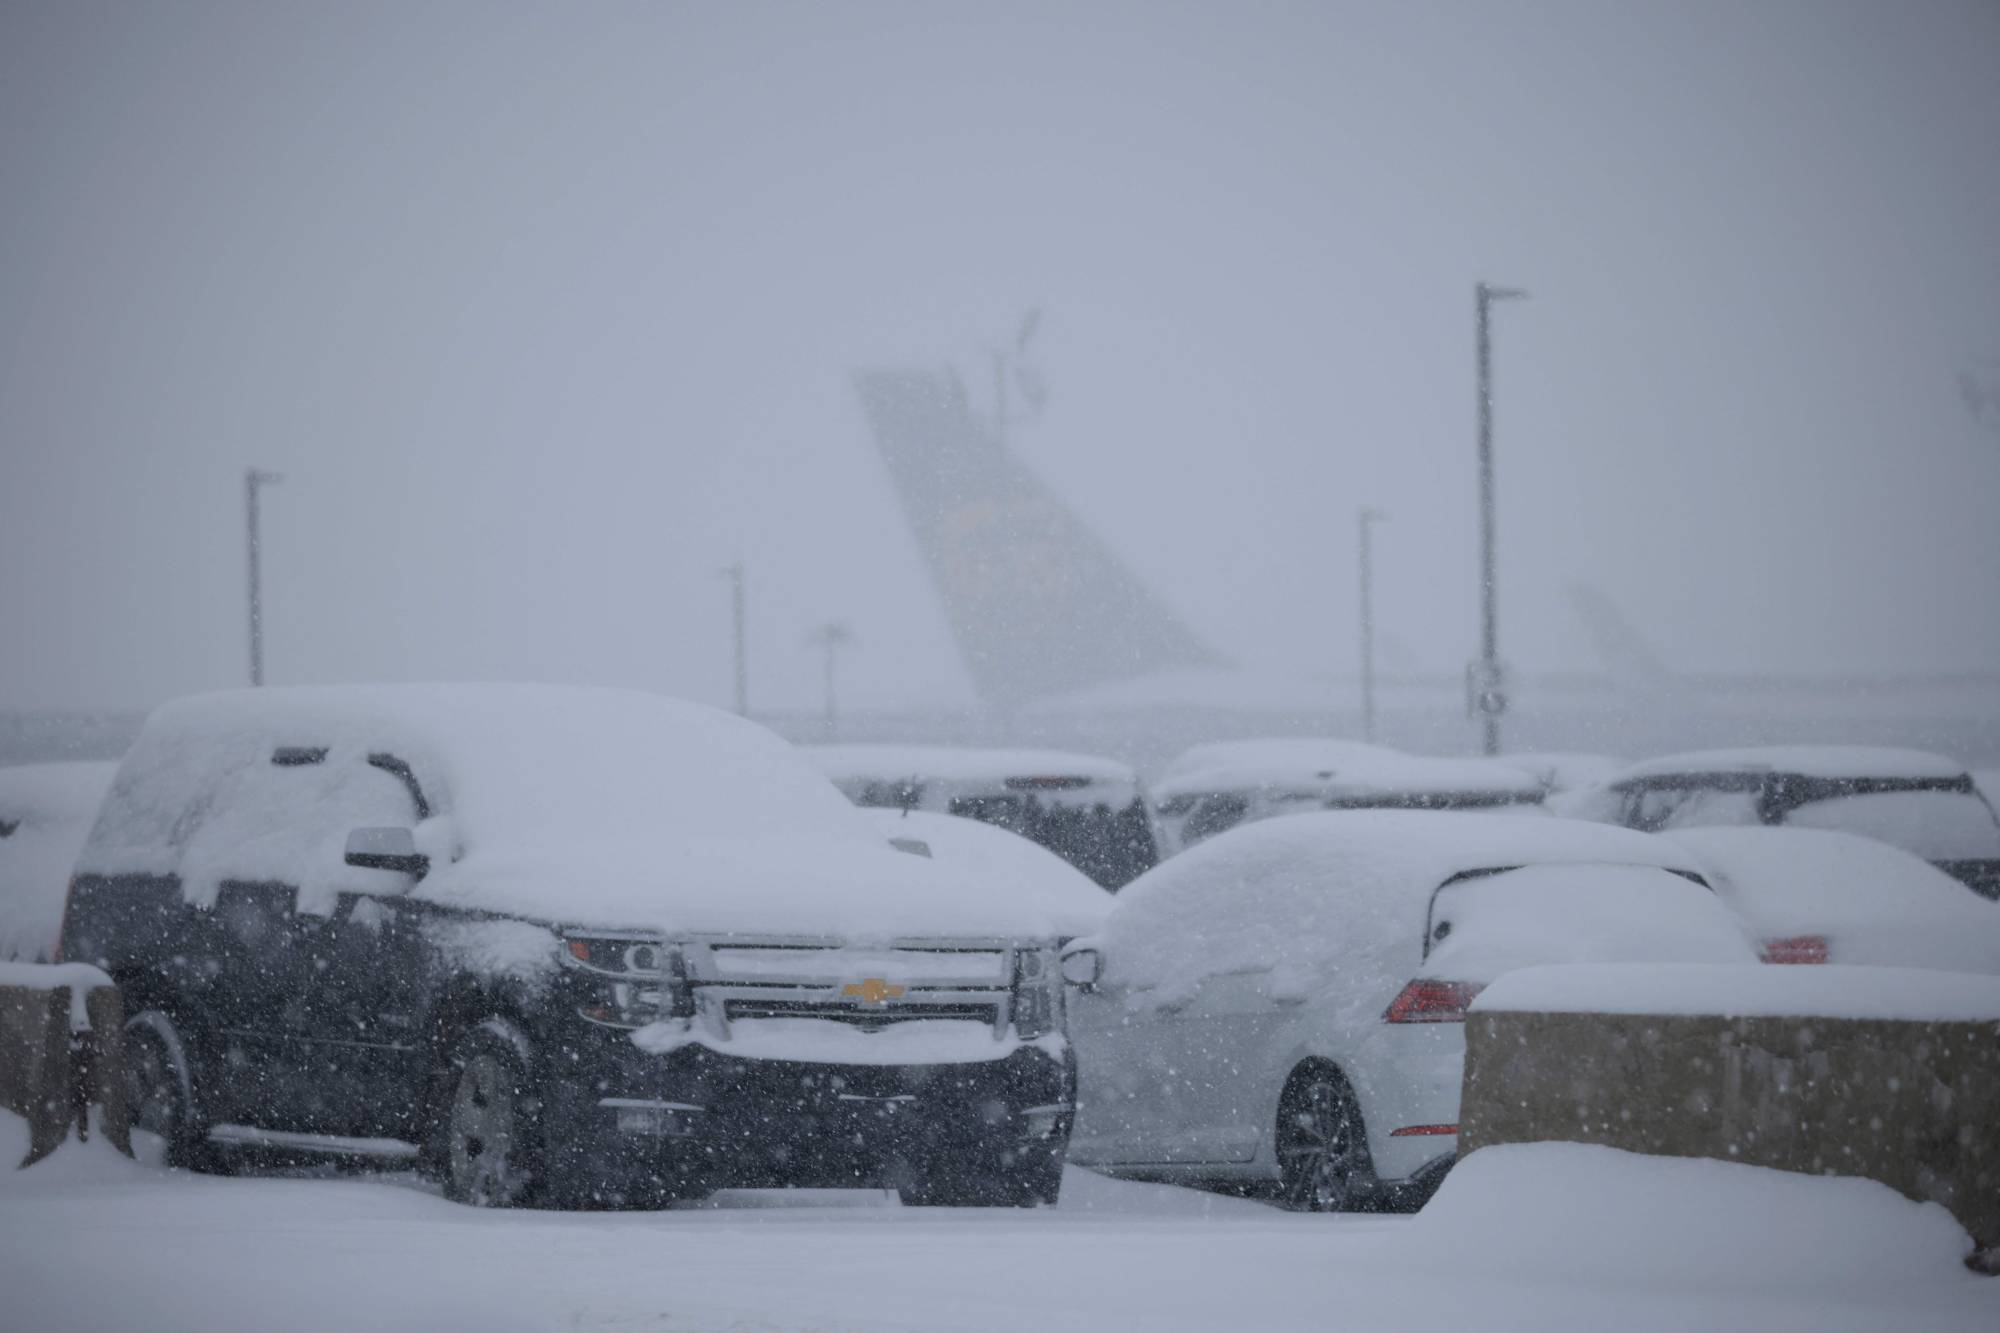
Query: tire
{"points": [[988, 1181], [487, 1141], [160, 1092], [1321, 1145]]}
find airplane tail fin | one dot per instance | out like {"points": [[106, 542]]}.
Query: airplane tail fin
{"points": [[1037, 604], [1628, 657]]}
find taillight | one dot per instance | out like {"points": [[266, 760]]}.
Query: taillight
{"points": [[1427, 1001], [1796, 949]]}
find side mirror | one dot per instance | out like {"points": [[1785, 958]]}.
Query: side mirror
{"points": [[1081, 968], [914, 846], [386, 849]]}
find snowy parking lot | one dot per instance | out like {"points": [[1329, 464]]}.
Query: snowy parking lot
{"points": [[1545, 1238]]}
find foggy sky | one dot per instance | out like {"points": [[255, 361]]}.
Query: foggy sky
{"points": [[549, 311]]}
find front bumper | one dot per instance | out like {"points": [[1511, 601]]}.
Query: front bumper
{"points": [[695, 1119]]}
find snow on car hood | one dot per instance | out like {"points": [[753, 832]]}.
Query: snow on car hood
{"points": [[1006, 865], [860, 890]]}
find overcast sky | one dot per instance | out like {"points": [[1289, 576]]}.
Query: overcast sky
{"points": [[548, 311]]}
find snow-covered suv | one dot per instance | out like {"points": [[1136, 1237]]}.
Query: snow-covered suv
{"points": [[559, 945]]}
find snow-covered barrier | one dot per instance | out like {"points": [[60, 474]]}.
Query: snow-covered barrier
{"points": [[61, 1053], [1891, 1074]]}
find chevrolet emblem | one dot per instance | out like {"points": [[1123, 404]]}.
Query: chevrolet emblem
{"points": [[873, 991]]}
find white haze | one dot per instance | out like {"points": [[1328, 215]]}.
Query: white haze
{"points": [[548, 312]]}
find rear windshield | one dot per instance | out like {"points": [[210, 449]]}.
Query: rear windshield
{"points": [[1483, 925]]}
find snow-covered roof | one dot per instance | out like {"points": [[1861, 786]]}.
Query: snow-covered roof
{"points": [[1286, 753], [1010, 864], [950, 763], [1813, 761], [1908, 994], [605, 806], [1873, 903], [52, 793], [1350, 771]]}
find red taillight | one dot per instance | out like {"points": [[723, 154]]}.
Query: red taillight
{"points": [[1426, 1001], [1408, 1131], [1796, 949]]}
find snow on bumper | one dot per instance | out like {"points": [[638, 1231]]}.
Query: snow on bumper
{"points": [[941, 1041]]}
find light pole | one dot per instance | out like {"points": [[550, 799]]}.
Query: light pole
{"points": [[1367, 519], [1489, 693], [253, 478], [831, 637], [734, 573]]}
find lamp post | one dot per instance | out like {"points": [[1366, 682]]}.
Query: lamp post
{"points": [[1367, 519], [253, 478], [734, 573], [831, 637], [1489, 693]]}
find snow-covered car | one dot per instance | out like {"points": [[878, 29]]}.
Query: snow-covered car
{"points": [[1213, 788], [1282, 1008], [45, 811], [1562, 771], [1088, 810], [1007, 862], [559, 945], [1921, 802], [1817, 896]]}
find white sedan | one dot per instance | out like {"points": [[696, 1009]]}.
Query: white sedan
{"points": [[1282, 1007]]}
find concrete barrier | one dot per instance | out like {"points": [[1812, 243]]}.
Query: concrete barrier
{"points": [[62, 1052], [1911, 1102]]}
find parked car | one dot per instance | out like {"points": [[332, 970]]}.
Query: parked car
{"points": [[1214, 788], [45, 811], [1923, 803], [559, 945], [1281, 1008], [1562, 771], [1816, 896], [1006, 863], [1087, 810]]}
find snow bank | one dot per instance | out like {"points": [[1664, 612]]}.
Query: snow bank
{"points": [[1595, 1214], [1007, 863], [1873, 903], [45, 812], [1899, 993], [605, 807]]}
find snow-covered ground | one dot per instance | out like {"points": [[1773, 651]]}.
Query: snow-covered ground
{"points": [[1548, 1238]]}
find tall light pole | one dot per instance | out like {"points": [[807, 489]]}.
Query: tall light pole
{"points": [[734, 573], [1368, 518], [1489, 691], [253, 478], [831, 637]]}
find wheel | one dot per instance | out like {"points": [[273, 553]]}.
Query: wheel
{"points": [[159, 1092], [987, 1181], [1322, 1151], [488, 1150]]}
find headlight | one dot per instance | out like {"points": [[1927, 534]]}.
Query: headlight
{"points": [[1037, 993], [628, 981]]}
